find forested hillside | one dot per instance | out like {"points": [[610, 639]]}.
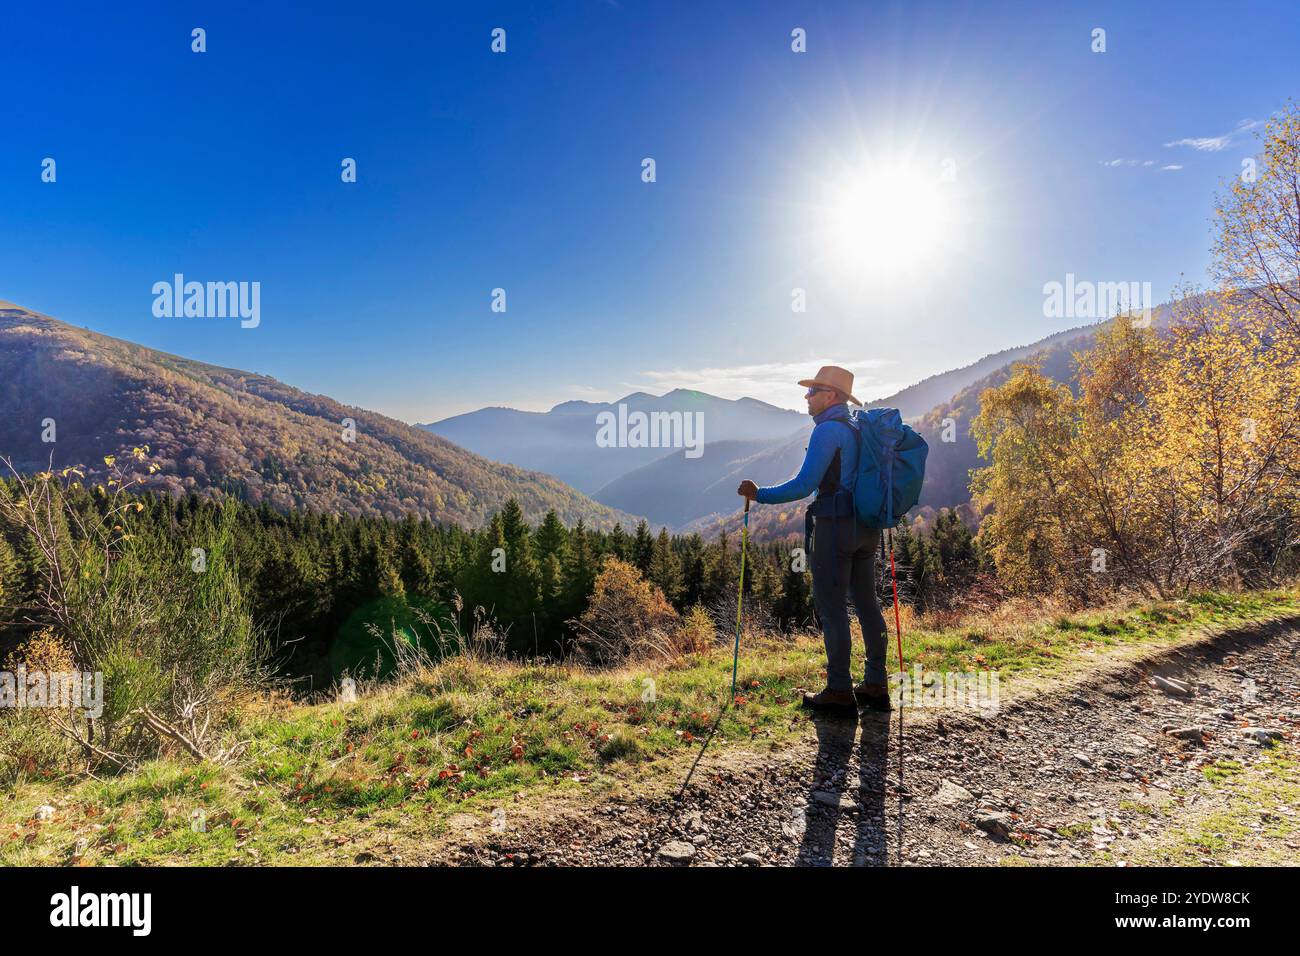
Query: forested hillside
{"points": [[211, 429]]}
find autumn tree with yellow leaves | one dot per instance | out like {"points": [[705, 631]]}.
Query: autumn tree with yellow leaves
{"points": [[1174, 462]]}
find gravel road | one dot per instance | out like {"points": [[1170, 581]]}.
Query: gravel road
{"points": [[1058, 778]]}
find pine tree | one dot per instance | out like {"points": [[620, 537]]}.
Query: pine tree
{"points": [[520, 594], [552, 547], [388, 578], [617, 545], [579, 571], [693, 572], [721, 572], [477, 581], [418, 574], [10, 580], [666, 567], [955, 543], [513, 525], [643, 548], [551, 538], [766, 587], [795, 606]]}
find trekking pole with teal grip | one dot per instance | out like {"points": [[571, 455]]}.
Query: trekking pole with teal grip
{"points": [[740, 599]]}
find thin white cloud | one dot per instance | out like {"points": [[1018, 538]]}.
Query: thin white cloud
{"points": [[1144, 163], [1205, 144], [774, 382], [1215, 144], [1170, 168]]}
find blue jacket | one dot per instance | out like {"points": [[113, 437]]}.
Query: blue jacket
{"points": [[828, 435]]}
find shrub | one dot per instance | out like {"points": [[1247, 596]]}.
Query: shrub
{"points": [[30, 744], [627, 617], [173, 638], [697, 632]]}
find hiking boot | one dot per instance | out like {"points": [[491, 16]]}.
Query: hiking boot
{"points": [[873, 696], [832, 702]]}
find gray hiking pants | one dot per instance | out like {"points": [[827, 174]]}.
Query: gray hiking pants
{"points": [[843, 566]]}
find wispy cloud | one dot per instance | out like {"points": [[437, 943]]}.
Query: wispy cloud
{"points": [[1204, 144], [1144, 163], [773, 382], [1214, 144]]}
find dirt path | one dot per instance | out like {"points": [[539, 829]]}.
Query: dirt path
{"points": [[1103, 770]]}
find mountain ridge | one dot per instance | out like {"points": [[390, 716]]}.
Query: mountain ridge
{"points": [[215, 429], [563, 442], [692, 493]]}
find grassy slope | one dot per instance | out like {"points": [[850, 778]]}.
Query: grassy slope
{"points": [[331, 783]]}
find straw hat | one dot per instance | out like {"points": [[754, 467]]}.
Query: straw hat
{"points": [[832, 376]]}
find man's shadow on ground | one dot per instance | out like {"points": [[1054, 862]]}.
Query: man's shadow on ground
{"points": [[836, 737]]}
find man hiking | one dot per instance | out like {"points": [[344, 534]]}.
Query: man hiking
{"points": [[844, 551]]}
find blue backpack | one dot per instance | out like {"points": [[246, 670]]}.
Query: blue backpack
{"points": [[891, 466]]}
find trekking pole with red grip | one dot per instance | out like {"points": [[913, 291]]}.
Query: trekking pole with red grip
{"points": [[902, 671], [898, 625]]}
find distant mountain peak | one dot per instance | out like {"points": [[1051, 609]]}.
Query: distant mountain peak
{"points": [[575, 405], [761, 404], [563, 441]]}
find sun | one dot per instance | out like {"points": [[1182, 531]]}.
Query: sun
{"points": [[889, 221]]}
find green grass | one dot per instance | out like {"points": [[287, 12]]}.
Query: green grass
{"points": [[1136, 806], [334, 783], [1045, 646], [1221, 770], [1248, 829], [1075, 830]]}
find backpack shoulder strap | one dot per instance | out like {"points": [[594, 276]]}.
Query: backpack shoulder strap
{"points": [[830, 483]]}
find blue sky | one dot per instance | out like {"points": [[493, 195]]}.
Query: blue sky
{"points": [[522, 171]]}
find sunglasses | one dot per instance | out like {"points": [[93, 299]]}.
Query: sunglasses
{"points": [[815, 389]]}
